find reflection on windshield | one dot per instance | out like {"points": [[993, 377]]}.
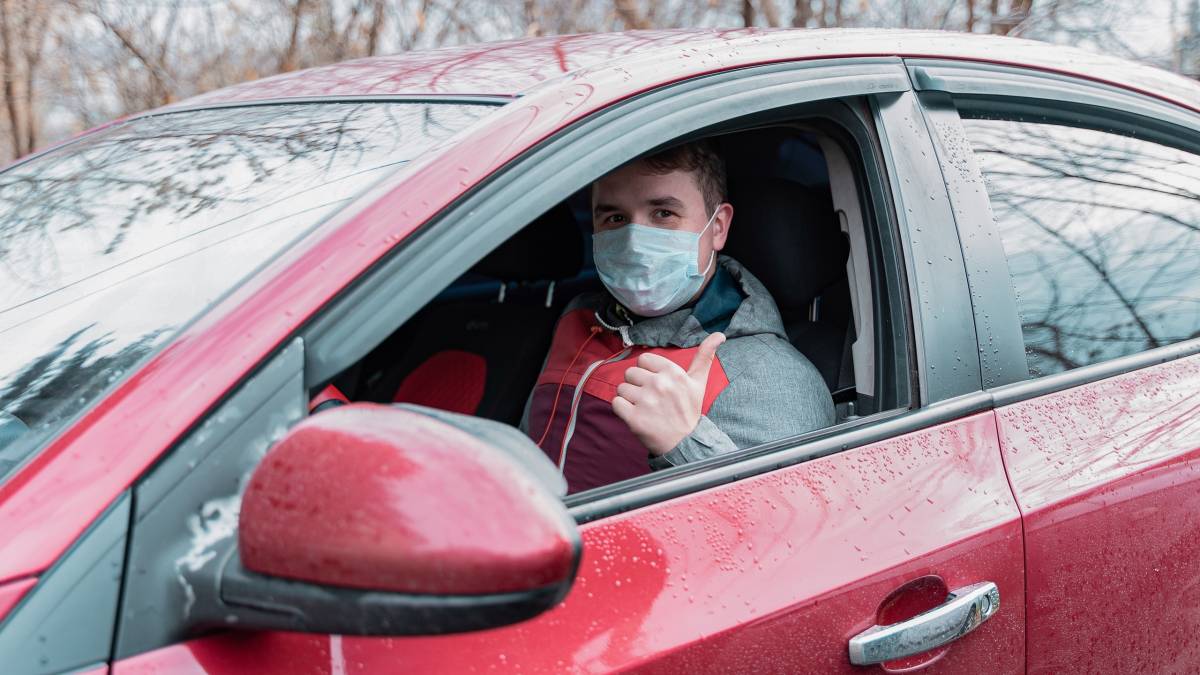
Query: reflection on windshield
{"points": [[1102, 234], [110, 244]]}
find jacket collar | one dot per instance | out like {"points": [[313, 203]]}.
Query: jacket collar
{"points": [[757, 315]]}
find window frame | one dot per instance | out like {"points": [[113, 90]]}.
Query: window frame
{"points": [[947, 90], [426, 262]]}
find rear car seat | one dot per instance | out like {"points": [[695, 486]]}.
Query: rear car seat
{"points": [[481, 354]]}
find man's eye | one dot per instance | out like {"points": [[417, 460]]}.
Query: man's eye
{"points": [[615, 219], [663, 214]]}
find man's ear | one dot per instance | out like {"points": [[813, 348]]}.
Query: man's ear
{"points": [[721, 223]]}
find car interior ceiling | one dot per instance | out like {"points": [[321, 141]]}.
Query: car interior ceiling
{"points": [[479, 346]]}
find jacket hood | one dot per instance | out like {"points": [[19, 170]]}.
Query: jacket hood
{"points": [[757, 315]]}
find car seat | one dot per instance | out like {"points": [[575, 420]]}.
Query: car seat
{"points": [[788, 236], [479, 349]]}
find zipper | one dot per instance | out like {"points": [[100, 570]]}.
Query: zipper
{"points": [[627, 343], [575, 398], [622, 330]]}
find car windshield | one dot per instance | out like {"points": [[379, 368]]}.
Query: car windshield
{"points": [[109, 244]]}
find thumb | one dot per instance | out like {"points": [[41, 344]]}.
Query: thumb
{"points": [[703, 360]]}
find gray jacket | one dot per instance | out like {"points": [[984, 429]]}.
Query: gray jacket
{"points": [[773, 391]]}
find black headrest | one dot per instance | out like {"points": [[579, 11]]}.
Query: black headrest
{"points": [[788, 236], [549, 248]]}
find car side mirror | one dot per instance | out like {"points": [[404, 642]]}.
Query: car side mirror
{"points": [[388, 520]]}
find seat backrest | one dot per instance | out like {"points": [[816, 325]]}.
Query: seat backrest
{"points": [[481, 356], [789, 237]]}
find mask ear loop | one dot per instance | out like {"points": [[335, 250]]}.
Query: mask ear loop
{"points": [[713, 256]]}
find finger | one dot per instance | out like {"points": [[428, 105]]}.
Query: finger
{"points": [[703, 360], [638, 376], [655, 363], [629, 392], [622, 408]]}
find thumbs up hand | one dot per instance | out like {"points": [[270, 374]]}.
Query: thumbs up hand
{"points": [[660, 401]]}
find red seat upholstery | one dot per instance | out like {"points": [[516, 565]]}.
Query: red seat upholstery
{"points": [[451, 380], [480, 354]]}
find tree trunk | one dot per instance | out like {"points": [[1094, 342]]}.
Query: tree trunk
{"points": [[628, 11], [747, 13], [288, 62], [1019, 12], [10, 72], [770, 13], [378, 16], [803, 13], [996, 22]]}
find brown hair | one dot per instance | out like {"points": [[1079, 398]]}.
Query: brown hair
{"points": [[698, 157]]}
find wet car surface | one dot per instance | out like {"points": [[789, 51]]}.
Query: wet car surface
{"points": [[157, 366]]}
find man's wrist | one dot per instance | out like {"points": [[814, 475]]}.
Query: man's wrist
{"points": [[703, 442], [668, 447]]}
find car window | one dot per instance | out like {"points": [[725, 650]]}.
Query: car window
{"points": [[111, 243], [514, 336], [1102, 234]]}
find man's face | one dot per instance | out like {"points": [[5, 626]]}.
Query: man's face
{"points": [[672, 201]]}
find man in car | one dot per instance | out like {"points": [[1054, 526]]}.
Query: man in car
{"points": [[685, 356]]}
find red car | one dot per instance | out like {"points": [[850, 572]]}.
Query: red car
{"points": [[988, 247]]}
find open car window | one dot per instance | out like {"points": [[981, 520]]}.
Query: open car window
{"points": [[109, 244], [799, 193]]}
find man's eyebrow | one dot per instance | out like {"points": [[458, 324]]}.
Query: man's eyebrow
{"points": [[604, 208], [665, 201]]}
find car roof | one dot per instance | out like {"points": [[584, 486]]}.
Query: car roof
{"points": [[515, 67]]}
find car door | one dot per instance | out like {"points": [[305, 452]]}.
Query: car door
{"points": [[1094, 195], [769, 559]]}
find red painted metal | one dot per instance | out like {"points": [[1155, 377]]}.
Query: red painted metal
{"points": [[770, 574], [1107, 476], [329, 393], [376, 497], [12, 592]]}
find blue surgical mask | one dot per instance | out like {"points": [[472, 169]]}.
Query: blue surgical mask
{"points": [[650, 270]]}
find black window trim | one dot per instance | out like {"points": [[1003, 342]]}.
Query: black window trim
{"points": [[976, 90]]}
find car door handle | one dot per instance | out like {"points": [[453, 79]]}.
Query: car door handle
{"points": [[961, 613]]}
